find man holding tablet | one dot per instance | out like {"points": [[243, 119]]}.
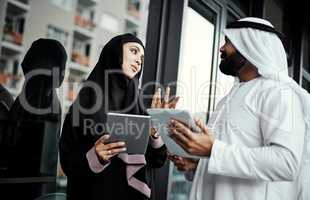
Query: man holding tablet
{"points": [[256, 143]]}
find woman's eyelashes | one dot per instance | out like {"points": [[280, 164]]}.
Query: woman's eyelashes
{"points": [[134, 51]]}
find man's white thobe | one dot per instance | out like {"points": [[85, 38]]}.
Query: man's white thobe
{"points": [[259, 130]]}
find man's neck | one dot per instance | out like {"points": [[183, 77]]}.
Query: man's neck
{"points": [[247, 73]]}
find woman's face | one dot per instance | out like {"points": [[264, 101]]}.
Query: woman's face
{"points": [[133, 57]]}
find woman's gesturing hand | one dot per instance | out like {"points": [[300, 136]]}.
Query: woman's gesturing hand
{"points": [[105, 151], [166, 102]]}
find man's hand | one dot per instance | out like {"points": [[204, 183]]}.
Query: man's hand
{"points": [[199, 144], [183, 164]]}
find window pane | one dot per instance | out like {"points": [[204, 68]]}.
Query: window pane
{"points": [[57, 34], [224, 82], [194, 77], [306, 52], [306, 84], [67, 5], [196, 61], [82, 26], [244, 5], [277, 13]]}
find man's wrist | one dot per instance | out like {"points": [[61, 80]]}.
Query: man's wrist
{"points": [[211, 145]]}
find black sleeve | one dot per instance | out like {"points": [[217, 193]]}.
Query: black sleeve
{"points": [[156, 158], [73, 147]]}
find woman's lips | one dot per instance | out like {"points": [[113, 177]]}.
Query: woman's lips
{"points": [[133, 68]]}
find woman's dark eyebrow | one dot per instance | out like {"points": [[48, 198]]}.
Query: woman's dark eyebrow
{"points": [[138, 49]]}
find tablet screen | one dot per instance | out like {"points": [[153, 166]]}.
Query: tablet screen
{"points": [[160, 119], [131, 129]]}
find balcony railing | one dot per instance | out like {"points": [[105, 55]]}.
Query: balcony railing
{"points": [[133, 11], [84, 23], [9, 79], [12, 36], [80, 59], [71, 95]]}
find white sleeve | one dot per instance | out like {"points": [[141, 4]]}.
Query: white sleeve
{"points": [[283, 130]]}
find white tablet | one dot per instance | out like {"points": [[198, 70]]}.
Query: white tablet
{"points": [[132, 129], [160, 119]]}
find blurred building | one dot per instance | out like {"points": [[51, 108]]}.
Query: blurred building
{"points": [[182, 39], [82, 26]]}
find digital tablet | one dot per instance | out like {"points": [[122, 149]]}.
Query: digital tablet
{"points": [[160, 119], [131, 129]]}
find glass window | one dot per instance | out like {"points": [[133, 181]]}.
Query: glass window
{"points": [[67, 5], [84, 16], [196, 62], [133, 7], [109, 22], [231, 17], [244, 5], [273, 11], [306, 84], [57, 34], [13, 29], [276, 12], [194, 79], [84, 28], [306, 53], [224, 82]]}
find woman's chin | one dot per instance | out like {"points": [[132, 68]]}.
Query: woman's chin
{"points": [[130, 75]]}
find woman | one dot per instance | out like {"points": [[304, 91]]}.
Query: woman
{"points": [[36, 119], [43, 66], [95, 168]]}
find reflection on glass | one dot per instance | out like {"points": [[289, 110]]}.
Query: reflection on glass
{"points": [[193, 80], [82, 26], [224, 82], [57, 34], [195, 64], [306, 84], [306, 53]]}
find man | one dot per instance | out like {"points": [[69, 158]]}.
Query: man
{"points": [[255, 144]]}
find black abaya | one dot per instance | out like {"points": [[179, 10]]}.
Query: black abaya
{"points": [[111, 183]]}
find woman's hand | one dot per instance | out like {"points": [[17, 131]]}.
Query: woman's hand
{"points": [[157, 102], [166, 102], [105, 151]]}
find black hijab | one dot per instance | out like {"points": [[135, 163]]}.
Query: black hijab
{"points": [[120, 93], [30, 131], [50, 57]]}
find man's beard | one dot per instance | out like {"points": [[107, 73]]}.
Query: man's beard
{"points": [[231, 65]]}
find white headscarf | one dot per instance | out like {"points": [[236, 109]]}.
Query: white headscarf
{"points": [[266, 52]]}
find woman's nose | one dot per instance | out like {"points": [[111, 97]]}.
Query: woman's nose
{"points": [[138, 61]]}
